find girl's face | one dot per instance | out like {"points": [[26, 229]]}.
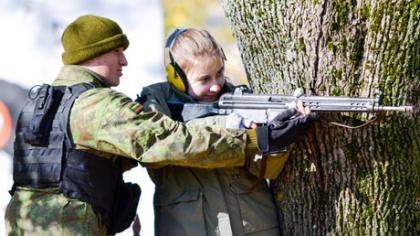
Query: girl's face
{"points": [[205, 78]]}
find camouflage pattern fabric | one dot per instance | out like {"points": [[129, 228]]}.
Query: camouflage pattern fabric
{"points": [[46, 212], [110, 124]]}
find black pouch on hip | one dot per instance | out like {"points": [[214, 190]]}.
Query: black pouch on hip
{"points": [[125, 207]]}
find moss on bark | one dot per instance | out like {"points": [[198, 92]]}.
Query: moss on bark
{"points": [[340, 181]]}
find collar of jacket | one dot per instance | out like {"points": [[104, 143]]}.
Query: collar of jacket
{"points": [[73, 74]]}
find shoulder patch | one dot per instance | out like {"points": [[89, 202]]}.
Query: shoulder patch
{"points": [[136, 107]]}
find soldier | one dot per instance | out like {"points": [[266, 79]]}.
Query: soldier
{"points": [[216, 201], [75, 138]]}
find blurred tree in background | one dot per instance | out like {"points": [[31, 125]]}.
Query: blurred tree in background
{"points": [[208, 15]]}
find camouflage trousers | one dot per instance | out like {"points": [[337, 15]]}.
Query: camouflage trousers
{"points": [[47, 212]]}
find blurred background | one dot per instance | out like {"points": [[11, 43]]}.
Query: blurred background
{"points": [[31, 54]]}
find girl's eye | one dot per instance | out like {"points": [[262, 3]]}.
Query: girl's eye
{"points": [[221, 71], [204, 79]]}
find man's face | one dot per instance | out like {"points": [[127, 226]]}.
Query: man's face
{"points": [[110, 65], [205, 78]]}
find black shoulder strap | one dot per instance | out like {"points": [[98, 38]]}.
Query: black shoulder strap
{"points": [[70, 95]]}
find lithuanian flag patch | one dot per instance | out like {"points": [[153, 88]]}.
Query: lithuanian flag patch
{"points": [[136, 107]]}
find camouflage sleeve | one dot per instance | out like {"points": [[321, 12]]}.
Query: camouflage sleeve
{"points": [[155, 101], [105, 121]]}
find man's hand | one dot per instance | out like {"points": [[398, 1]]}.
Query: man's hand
{"points": [[236, 121]]}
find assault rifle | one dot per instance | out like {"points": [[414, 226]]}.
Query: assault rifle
{"points": [[262, 108]]}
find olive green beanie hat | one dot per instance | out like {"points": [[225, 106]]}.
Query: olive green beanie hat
{"points": [[90, 36]]}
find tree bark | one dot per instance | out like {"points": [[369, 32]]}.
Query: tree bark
{"points": [[341, 181]]}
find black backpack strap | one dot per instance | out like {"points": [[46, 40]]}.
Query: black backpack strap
{"points": [[71, 94]]}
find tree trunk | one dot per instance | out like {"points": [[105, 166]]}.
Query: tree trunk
{"points": [[341, 181]]}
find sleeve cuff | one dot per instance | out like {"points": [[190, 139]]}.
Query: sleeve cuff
{"points": [[251, 144]]}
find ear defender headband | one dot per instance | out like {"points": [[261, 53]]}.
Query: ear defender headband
{"points": [[174, 74]]}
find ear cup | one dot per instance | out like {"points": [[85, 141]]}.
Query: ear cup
{"points": [[176, 77], [174, 74]]}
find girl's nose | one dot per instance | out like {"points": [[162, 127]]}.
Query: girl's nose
{"points": [[215, 88]]}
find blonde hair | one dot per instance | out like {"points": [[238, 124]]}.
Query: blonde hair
{"points": [[193, 43]]}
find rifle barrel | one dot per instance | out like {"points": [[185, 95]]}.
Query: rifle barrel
{"points": [[391, 108]]}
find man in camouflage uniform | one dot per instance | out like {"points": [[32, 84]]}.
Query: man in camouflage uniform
{"points": [[211, 201], [106, 124]]}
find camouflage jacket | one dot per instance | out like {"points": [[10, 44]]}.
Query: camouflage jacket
{"points": [[197, 201], [110, 124]]}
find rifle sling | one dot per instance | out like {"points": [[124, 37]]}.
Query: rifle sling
{"points": [[261, 175]]}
